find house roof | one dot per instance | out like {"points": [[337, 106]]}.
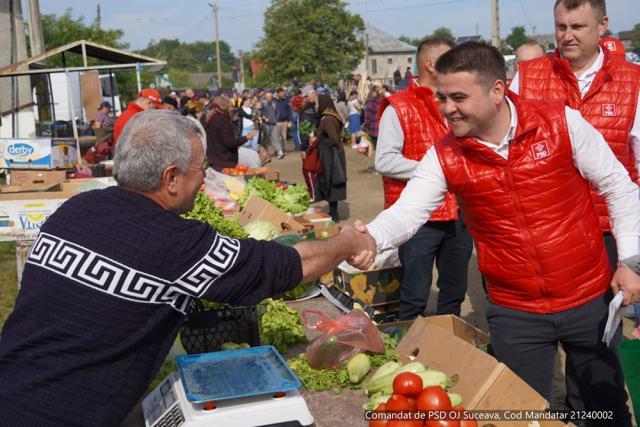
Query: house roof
{"points": [[88, 49], [380, 42], [628, 35]]}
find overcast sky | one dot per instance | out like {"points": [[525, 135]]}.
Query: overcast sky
{"points": [[241, 20]]}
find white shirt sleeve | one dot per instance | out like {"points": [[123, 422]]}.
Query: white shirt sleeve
{"points": [[596, 162], [389, 160], [635, 137], [422, 195], [514, 86]]}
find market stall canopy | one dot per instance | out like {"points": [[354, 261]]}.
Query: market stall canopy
{"points": [[118, 58]]}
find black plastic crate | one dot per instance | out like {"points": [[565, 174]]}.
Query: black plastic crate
{"points": [[206, 329]]}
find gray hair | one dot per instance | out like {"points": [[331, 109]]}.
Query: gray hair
{"points": [[151, 141]]}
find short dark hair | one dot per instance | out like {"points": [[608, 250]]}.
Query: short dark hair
{"points": [[481, 58], [431, 42], [599, 7]]}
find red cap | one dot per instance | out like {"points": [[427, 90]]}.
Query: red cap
{"points": [[151, 94], [613, 46]]}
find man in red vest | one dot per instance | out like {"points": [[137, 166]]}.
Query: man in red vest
{"points": [[592, 80], [592, 76], [410, 124], [521, 172], [148, 98]]}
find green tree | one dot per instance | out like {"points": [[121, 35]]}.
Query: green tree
{"points": [[409, 40], [309, 38], [517, 37], [443, 33], [636, 40], [60, 30]]}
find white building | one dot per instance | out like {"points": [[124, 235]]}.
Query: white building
{"points": [[384, 55]]}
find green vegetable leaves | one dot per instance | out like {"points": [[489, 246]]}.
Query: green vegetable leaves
{"points": [[206, 211], [328, 379], [294, 199], [280, 326]]}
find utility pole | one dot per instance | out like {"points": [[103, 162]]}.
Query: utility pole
{"points": [[477, 29], [98, 18], [35, 28], [214, 12], [495, 23], [241, 85]]}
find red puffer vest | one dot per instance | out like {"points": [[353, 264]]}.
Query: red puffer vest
{"points": [[422, 125], [539, 244], [609, 105]]}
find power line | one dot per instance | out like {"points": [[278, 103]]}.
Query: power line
{"points": [[417, 6]]}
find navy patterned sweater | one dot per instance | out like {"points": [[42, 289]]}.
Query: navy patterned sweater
{"points": [[103, 296]]}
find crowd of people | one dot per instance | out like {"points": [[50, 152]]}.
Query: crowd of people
{"points": [[540, 172]]}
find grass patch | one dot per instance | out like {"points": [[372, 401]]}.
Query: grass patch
{"points": [[8, 280]]}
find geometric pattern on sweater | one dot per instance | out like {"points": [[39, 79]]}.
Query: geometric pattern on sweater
{"points": [[104, 274]]}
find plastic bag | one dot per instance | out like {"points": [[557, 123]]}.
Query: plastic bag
{"points": [[217, 189], [341, 338]]}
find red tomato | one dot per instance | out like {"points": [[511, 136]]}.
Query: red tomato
{"points": [[408, 384], [382, 422], [433, 398], [442, 423], [413, 404], [404, 423], [398, 402], [468, 423]]}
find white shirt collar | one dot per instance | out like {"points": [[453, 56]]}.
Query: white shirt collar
{"points": [[502, 149], [590, 72]]}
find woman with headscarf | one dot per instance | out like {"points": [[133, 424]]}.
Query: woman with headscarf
{"points": [[332, 180], [222, 143]]}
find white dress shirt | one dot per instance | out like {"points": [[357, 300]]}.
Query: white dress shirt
{"points": [[584, 83], [592, 157]]}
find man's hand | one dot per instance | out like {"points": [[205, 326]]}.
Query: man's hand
{"points": [[364, 245], [251, 134], [628, 282]]}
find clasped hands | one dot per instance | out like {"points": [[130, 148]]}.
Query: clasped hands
{"points": [[363, 246]]}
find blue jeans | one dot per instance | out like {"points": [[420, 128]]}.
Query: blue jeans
{"points": [[449, 244], [294, 130]]}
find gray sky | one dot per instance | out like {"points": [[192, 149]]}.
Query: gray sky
{"points": [[241, 20]]}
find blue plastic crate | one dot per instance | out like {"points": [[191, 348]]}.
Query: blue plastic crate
{"points": [[235, 373]]}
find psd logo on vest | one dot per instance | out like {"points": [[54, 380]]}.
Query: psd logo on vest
{"points": [[540, 150], [608, 110]]}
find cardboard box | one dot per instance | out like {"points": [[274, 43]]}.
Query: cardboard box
{"points": [[449, 344], [258, 209], [372, 287], [22, 214], [264, 172], [33, 180], [25, 153], [64, 153]]}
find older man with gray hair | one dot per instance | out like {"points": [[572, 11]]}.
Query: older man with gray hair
{"points": [[113, 271]]}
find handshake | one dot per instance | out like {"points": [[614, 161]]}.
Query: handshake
{"points": [[363, 246]]}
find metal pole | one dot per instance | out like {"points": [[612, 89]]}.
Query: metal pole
{"points": [[73, 118], [138, 66], [214, 11], [84, 54]]}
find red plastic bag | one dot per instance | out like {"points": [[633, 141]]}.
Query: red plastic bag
{"points": [[341, 338]]}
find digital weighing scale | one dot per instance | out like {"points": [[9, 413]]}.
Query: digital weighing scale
{"points": [[236, 388]]}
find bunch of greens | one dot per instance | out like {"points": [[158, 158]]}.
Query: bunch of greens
{"points": [[280, 326], [338, 379], [206, 211], [295, 198], [261, 230]]}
